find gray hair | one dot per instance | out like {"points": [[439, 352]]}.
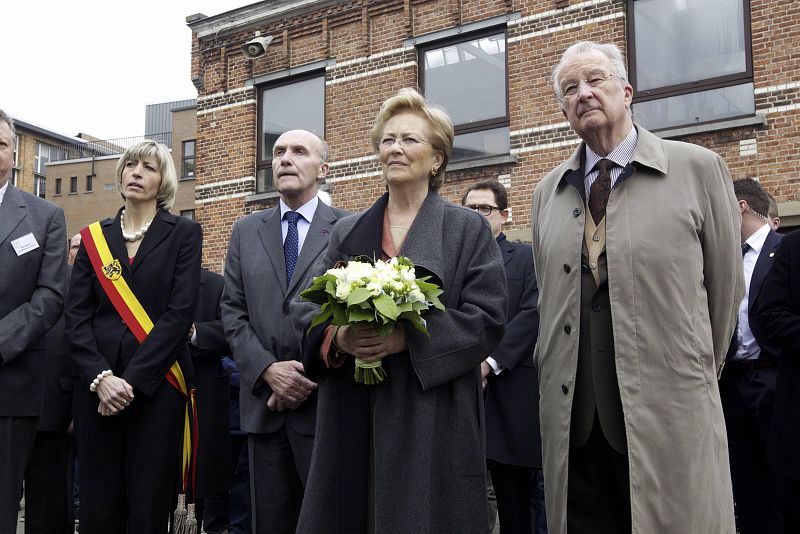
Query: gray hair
{"points": [[611, 51], [8, 120]]}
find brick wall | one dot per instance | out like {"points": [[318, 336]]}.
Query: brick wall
{"points": [[365, 38]]}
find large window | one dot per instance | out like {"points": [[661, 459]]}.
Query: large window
{"points": [[690, 61], [467, 77], [15, 167], [299, 103], [187, 161], [46, 153]]}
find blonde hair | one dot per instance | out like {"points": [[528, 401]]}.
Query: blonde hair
{"points": [[169, 177], [440, 135]]}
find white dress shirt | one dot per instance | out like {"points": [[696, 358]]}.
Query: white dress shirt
{"points": [[3, 192], [748, 347], [306, 212]]}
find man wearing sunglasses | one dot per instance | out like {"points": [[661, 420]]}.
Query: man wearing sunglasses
{"points": [[513, 446]]}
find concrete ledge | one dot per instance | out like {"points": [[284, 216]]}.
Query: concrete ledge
{"points": [[483, 162], [756, 120]]}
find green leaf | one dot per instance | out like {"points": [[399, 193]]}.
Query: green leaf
{"points": [[339, 314], [358, 295], [322, 317], [416, 321], [385, 306], [357, 314]]}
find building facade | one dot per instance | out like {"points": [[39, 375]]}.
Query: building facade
{"points": [[86, 187], [719, 73]]}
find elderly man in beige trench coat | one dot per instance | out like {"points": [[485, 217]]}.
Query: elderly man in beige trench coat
{"points": [[636, 249]]}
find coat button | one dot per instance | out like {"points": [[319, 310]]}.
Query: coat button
{"points": [[564, 389], [567, 328], [596, 307], [122, 322], [584, 268], [567, 268], [595, 238], [576, 212]]}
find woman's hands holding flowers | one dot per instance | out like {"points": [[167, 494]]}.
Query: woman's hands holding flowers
{"points": [[364, 342]]}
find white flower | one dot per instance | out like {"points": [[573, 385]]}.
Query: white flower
{"points": [[342, 290], [374, 288]]}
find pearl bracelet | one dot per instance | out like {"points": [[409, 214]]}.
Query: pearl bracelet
{"points": [[96, 381]]}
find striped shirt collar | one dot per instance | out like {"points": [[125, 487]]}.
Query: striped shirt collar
{"points": [[621, 155]]}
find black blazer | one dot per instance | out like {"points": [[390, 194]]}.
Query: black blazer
{"points": [[760, 270], [512, 397], [164, 276], [777, 314], [213, 397]]}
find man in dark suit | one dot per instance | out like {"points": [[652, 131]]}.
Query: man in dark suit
{"points": [[777, 315], [32, 285], [747, 385], [208, 346], [513, 445], [48, 476], [268, 263]]}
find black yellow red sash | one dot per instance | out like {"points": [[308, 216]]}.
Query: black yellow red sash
{"points": [[109, 273]]}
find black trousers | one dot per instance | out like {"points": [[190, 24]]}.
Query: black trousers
{"points": [[129, 463], [279, 464], [512, 487], [16, 443], [48, 485], [747, 400], [598, 494]]}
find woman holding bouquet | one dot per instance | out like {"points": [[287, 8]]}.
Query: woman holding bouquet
{"points": [[407, 455], [131, 302]]}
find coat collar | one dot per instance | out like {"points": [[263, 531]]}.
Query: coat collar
{"points": [[423, 243], [506, 247], [12, 211], [162, 225], [762, 266], [649, 153]]}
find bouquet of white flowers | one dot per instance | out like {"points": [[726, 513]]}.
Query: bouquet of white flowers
{"points": [[376, 292]]}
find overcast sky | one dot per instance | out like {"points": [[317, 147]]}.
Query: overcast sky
{"points": [[92, 66]]}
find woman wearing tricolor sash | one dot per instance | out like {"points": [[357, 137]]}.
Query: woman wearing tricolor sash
{"points": [[131, 302]]}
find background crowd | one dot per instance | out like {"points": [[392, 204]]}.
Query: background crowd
{"points": [[635, 370]]}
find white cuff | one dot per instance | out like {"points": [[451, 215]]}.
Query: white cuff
{"points": [[496, 367]]}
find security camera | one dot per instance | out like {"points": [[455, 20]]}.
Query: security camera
{"points": [[257, 46]]}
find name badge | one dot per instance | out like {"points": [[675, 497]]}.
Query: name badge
{"points": [[24, 244]]}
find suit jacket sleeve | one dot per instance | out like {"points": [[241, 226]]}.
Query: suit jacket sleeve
{"points": [[777, 309], [168, 336], [27, 323], [519, 340], [250, 355], [211, 342], [722, 261]]}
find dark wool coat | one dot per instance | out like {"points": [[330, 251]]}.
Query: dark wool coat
{"points": [[427, 422]]}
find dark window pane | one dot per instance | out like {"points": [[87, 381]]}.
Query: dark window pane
{"points": [[58, 186], [73, 184], [680, 41], [468, 79], [693, 108], [299, 105], [482, 144], [89, 183]]}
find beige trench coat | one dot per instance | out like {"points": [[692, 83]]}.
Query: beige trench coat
{"points": [[675, 283]]}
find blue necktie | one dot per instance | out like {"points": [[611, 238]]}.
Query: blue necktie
{"points": [[291, 245]]}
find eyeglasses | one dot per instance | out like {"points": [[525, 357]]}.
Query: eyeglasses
{"points": [[483, 209], [570, 88], [407, 141]]}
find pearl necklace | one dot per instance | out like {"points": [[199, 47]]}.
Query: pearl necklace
{"points": [[135, 236]]}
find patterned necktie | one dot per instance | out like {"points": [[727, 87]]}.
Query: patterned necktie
{"points": [[601, 187], [291, 244]]}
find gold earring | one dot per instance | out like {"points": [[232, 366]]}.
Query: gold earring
{"points": [[434, 172]]}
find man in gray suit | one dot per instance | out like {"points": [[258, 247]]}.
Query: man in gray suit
{"points": [[269, 256], [32, 286]]}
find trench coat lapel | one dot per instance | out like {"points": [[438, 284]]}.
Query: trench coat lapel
{"points": [[762, 267], [316, 240], [12, 211], [272, 241], [161, 227]]}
